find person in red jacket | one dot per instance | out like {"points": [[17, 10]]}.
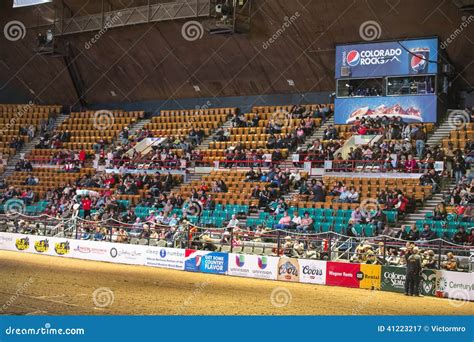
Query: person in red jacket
{"points": [[400, 203], [82, 157], [86, 206], [411, 165]]}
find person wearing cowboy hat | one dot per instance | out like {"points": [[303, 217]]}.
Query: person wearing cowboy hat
{"points": [[413, 271]]}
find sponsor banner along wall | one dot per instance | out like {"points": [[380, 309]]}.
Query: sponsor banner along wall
{"points": [[172, 258], [253, 266], [288, 269], [312, 271], [411, 56], [206, 261], [456, 285], [393, 279], [370, 276], [342, 274]]}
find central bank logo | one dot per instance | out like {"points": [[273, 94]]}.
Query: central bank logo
{"points": [[42, 246], [240, 260], [353, 58]]}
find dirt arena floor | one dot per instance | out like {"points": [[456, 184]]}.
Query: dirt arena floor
{"points": [[42, 285]]}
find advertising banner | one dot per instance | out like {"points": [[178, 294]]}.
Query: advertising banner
{"points": [[165, 258], [205, 261], [342, 274], [456, 285], [393, 279], [24, 3], [413, 56], [253, 266], [288, 269], [312, 271], [369, 276], [417, 109]]}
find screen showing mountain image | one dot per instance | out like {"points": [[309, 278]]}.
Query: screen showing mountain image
{"points": [[412, 56], [410, 108]]}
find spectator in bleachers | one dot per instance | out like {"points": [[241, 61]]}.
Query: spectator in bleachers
{"points": [[440, 213], [379, 219], [306, 224], [451, 264], [427, 234], [284, 222], [233, 222], [460, 237]]}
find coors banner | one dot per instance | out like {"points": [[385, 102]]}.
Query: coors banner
{"points": [[393, 279], [288, 269]]}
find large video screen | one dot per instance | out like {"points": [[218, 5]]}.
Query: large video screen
{"points": [[409, 108], [414, 56]]}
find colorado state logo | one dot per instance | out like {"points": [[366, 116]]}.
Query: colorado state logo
{"points": [[262, 262], [239, 260], [353, 58], [162, 253]]}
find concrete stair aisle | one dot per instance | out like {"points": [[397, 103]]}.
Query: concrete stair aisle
{"points": [[442, 131], [319, 132], [138, 125], [207, 140], [28, 147], [429, 204]]}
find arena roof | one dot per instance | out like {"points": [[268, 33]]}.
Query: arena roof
{"points": [[154, 61]]}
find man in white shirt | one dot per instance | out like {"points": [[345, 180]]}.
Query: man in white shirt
{"points": [[233, 223], [296, 220]]}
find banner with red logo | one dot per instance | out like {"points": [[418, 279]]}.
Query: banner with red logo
{"points": [[342, 274]]}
